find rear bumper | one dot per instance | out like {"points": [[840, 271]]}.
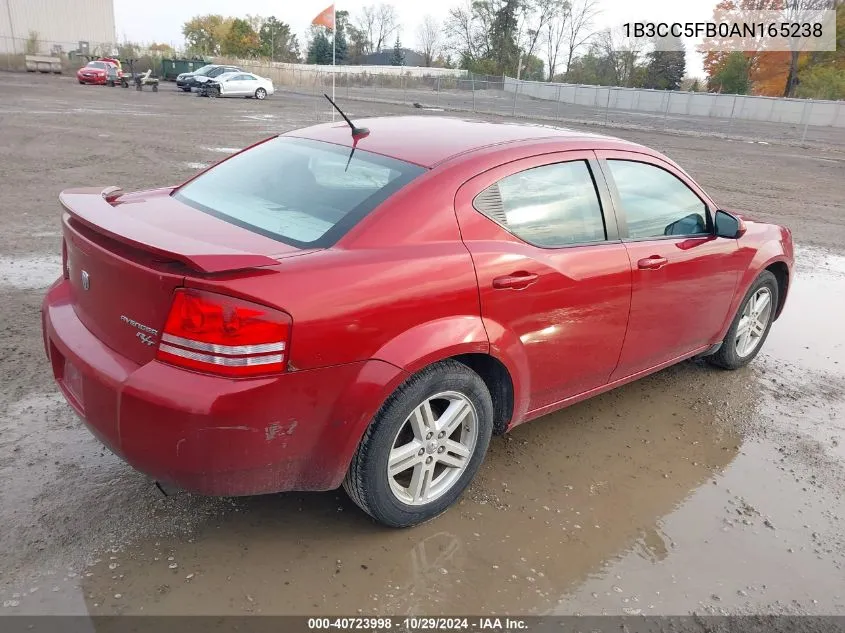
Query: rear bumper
{"points": [[211, 435]]}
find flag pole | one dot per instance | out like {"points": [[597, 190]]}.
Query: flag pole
{"points": [[334, 38]]}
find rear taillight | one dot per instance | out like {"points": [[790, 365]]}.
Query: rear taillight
{"points": [[219, 334]]}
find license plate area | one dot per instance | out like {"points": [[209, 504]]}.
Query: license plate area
{"points": [[72, 382]]}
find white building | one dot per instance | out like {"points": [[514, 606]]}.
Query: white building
{"points": [[62, 23]]}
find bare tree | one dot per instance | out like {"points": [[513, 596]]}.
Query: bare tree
{"points": [[466, 30], [801, 12], [386, 25], [428, 38], [556, 29], [365, 23], [378, 24], [621, 54], [578, 26], [536, 15]]}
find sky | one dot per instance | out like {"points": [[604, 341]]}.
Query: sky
{"points": [[161, 20]]}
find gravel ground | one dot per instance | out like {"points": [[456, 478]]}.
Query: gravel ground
{"points": [[693, 490]]}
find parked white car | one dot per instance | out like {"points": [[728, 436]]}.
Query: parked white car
{"points": [[240, 84]]}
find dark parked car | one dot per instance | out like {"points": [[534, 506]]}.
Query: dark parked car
{"points": [[186, 81], [303, 315]]}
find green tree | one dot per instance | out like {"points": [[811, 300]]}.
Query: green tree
{"points": [[533, 68], [665, 68], [822, 82], [341, 45], [241, 40], [398, 57], [203, 33], [277, 41], [733, 77], [320, 48], [503, 37]]}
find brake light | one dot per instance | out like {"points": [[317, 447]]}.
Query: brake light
{"points": [[223, 335]]}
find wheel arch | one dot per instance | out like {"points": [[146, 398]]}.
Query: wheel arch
{"points": [[467, 339], [779, 266], [781, 272], [499, 383]]}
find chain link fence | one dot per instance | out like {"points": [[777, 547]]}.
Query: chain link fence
{"points": [[566, 103], [753, 119]]}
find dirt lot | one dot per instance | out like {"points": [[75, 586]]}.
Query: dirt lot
{"points": [[692, 490]]}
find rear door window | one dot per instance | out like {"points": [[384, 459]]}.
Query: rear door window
{"points": [[298, 191], [550, 206]]}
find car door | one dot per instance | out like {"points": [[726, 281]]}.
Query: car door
{"points": [[554, 280], [683, 276], [249, 85]]}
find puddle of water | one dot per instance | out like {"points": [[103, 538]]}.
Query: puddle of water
{"points": [[585, 484], [30, 273], [79, 503], [810, 333], [737, 546]]}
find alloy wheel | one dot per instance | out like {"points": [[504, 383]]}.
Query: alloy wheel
{"points": [[753, 322], [432, 448]]}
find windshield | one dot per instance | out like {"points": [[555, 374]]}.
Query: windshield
{"points": [[204, 70], [96, 65], [297, 191]]}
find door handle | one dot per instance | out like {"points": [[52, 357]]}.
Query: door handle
{"points": [[652, 263], [516, 281]]}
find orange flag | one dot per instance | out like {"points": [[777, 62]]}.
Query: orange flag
{"points": [[326, 18]]}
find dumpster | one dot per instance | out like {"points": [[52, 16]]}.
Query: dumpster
{"points": [[170, 68]]}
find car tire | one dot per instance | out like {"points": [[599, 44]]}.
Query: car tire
{"points": [[444, 386], [753, 319], [260, 94]]}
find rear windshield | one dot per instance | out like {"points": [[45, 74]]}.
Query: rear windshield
{"points": [[297, 191]]}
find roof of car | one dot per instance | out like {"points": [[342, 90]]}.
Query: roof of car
{"points": [[431, 140]]}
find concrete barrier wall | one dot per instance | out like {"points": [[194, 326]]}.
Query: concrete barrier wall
{"points": [[791, 111], [407, 71]]}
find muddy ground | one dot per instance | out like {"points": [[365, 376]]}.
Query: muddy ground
{"points": [[694, 490]]}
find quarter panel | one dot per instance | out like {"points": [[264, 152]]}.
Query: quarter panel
{"points": [[349, 305]]}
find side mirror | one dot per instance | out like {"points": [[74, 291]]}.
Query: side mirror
{"points": [[729, 226]]}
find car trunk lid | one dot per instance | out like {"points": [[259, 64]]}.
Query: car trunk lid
{"points": [[126, 254]]}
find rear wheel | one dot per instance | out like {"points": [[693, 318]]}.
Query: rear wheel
{"points": [[423, 447], [260, 93], [751, 324]]}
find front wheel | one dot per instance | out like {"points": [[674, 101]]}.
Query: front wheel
{"points": [[751, 324], [261, 94], [423, 447]]}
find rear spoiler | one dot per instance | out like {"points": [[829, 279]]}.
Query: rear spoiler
{"points": [[93, 207]]}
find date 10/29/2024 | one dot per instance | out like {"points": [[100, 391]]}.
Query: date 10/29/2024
{"points": [[406, 623]]}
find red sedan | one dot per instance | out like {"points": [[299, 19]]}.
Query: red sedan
{"points": [[95, 72], [299, 317]]}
